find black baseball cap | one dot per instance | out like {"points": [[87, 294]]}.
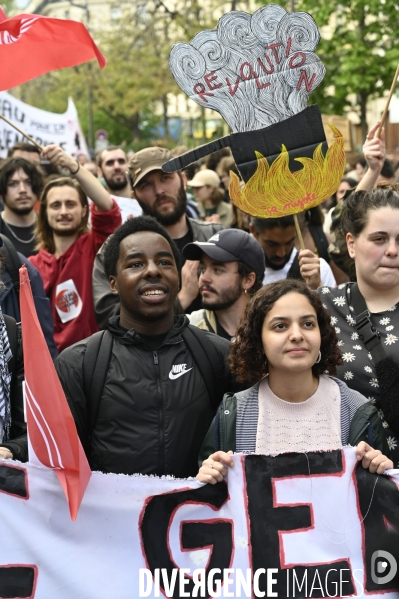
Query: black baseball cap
{"points": [[229, 245]]}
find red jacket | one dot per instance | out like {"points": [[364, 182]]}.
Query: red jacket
{"points": [[68, 279]]}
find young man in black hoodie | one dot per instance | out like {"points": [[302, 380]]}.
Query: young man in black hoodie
{"points": [[164, 378]]}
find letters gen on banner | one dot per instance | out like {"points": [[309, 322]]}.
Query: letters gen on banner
{"points": [[294, 525]]}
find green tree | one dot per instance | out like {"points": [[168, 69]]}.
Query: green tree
{"points": [[359, 50], [51, 91], [137, 48], [125, 98]]}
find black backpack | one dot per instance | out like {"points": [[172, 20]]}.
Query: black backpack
{"points": [[12, 262], [98, 356]]}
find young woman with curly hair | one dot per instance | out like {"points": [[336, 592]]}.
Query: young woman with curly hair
{"points": [[285, 345]]}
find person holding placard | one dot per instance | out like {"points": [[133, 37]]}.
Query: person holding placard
{"points": [[285, 344], [277, 237]]}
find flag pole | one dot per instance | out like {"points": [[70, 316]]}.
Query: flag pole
{"points": [[22, 132], [384, 115]]}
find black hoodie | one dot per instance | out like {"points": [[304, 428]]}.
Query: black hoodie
{"points": [[155, 409]]}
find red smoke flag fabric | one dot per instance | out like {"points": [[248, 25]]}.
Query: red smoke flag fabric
{"points": [[51, 428], [31, 45]]}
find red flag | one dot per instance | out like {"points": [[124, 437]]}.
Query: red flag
{"points": [[51, 428], [31, 45]]}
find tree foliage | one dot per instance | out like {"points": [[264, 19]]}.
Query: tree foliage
{"points": [[127, 94], [359, 50]]}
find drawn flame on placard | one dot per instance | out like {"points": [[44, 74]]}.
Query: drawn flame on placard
{"points": [[274, 191]]}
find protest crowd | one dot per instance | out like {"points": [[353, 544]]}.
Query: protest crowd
{"points": [[165, 309], [162, 325], [194, 331]]}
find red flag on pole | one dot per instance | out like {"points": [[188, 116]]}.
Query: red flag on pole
{"points": [[31, 45], [51, 428]]}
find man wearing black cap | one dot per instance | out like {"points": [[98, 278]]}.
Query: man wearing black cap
{"points": [[162, 196], [232, 264]]}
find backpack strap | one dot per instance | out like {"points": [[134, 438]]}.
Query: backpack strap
{"points": [[12, 262], [209, 363], [370, 336], [95, 369], [15, 340]]}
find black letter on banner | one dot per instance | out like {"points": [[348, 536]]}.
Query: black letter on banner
{"points": [[20, 118], [266, 520], [154, 529], [7, 110], [379, 504], [15, 581]]}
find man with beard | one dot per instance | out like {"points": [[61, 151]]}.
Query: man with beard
{"points": [[283, 261], [163, 196], [232, 265], [111, 169], [67, 247], [20, 187], [112, 164]]}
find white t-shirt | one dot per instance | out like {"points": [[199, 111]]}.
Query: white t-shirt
{"points": [[128, 207], [326, 273]]}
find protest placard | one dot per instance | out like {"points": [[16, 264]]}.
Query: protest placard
{"points": [[258, 71]]}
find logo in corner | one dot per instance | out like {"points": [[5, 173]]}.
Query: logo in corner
{"points": [[178, 370], [380, 573]]}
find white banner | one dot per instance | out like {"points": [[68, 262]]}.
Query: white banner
{"points": [[297, 525], [44, 127]]}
